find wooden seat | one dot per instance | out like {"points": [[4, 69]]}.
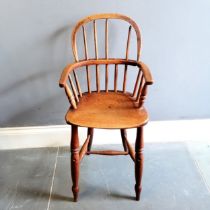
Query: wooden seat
{"points": [[104, 102], [107, 110]]}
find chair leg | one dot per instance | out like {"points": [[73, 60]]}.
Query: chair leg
{"points": [[90, 132], [139, 161], [123, 136], [75, 161]]}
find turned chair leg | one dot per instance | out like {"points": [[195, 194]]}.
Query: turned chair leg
{"points": [[123, 136], [90, 132], [139, 161], [75, 161]]}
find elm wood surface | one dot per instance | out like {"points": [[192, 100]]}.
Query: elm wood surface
{"points": [[107, 110], [110, 108]]}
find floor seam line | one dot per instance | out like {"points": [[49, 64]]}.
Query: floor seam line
{"points": [[200, 171], [53, 177], [202, 175]]}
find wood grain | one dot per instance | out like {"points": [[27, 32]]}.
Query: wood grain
{"points": [[107, 110]]}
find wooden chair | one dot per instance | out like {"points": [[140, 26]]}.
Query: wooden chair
{"points": [[108, 108]]}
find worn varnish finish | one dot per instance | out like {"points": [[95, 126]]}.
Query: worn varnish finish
{"points": [[106, 108]]}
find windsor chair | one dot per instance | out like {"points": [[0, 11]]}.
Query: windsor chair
{"points": [[109, 108]]}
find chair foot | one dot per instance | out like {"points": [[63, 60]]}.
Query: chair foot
{"points": [[75, 193], [138, 192]]}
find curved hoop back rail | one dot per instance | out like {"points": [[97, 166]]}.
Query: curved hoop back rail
{"points": [[107, 20]]}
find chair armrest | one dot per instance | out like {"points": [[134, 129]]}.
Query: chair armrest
{"points": [[145, 80], [75, 65], [73, 97], [65, 73], [146, 72], [70, 67]]}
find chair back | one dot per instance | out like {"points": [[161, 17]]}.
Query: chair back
{"points": [[106, 19], [93, 65]]}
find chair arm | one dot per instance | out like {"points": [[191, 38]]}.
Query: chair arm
{"points": [[75, 65], [65, 73], [145, 80], [146, 72], [72, 96], [70, 67]]}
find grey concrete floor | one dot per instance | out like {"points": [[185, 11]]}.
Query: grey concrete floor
{"points": [[176, 176]]}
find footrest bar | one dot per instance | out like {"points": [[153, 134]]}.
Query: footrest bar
{"points": [[107, 152]]}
